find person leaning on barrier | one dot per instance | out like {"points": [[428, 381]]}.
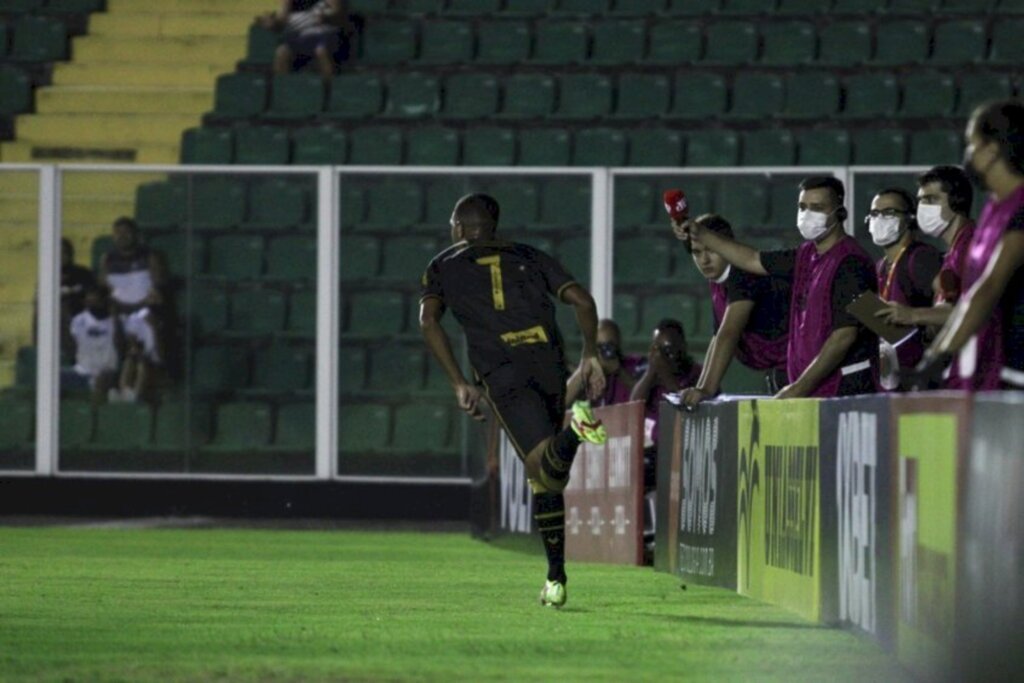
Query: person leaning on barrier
{"points": [[621, 370], [751, 316], [829, 352]]}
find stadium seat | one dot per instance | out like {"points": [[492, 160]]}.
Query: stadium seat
{"points": [[712, 148], [845, 43], [470, 96], [363, 428], [77, 422], [565, 203], [207, 307], [488, 146], [768, 147], [928, 94], [4, 39], [1007, 46], [422, 428], [16, 420], [520, 202], [637, 7], [730, 42], [698, 96], [174, 248], [879, 147], [440, 194], [756, 96], [574, 255], [102, 245], [746, 6], [295, 97], [871, 95], [859, 7], [959, 42], [599, 147], [207, 146], [241, 426], [282, 369], [618, 42], [655, 147], [181, 426], [432, 146], [626, 314], [377, 313], [360, 257], [261, 145], [25, 367], [257, 311], [584, 96], [784, 194], [544, 147], [643, 260], [376, 146], [236, 257], [1011, 6], [15, 90], [389, 42], [396, 368], [292, 257], [803, 7], [122, 427], [407, 6], [527, 96], [351, 369], [39, 39], [354, 96], [217, 202], [23, 6], [675, 42], [276, 204], [700, 193], [405, 258], [473, 7], [445, 42], [260, 46], [318, 145], [353, 203], [503, 42], [295, 428], [978, 87], [823, 147], [302, 313], [412, 95], [634, 200], [743, 201], [915, 7], [73, 6], [582, 8], [811, 95], [642, 96], [900, 43], [931, 147], [240, 96], [559, 43], [786, 43], [681, 307], [968, 6], [393, 206]]}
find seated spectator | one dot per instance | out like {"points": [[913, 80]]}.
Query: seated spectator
{"points": [[142, 371], [620, 370], [316, 31], [751, 318], [134, 274], [96, 335], [906, 272], [75, 280]]}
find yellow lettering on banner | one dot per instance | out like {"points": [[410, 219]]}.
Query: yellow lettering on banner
{"points": [[534, 335], [497, 289]]}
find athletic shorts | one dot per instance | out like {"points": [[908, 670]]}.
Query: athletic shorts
{"points": [[529, 401]]}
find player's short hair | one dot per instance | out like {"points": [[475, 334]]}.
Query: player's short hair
{"points": [[608, 322], [478, 209], [830, 183], [711, 222], [954, 182], [128, 222], [670, 324], [1002, 121]]}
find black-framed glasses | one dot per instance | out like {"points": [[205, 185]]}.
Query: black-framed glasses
{"points": [[886, 213]]}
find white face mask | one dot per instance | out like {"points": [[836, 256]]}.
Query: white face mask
{"points": [[811, 224], [884, 230], [929, 217]]}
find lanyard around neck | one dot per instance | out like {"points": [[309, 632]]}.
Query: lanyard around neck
{"points": [[892, 271]]}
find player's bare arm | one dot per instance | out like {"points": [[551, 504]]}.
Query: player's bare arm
{"points": [[590, 373], [467, 395], [738, 254]]}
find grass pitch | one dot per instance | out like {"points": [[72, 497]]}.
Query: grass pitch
{"points": [[212, 605]]}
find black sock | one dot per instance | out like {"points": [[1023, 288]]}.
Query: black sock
{"points": [[549, 514], [558, 455]]}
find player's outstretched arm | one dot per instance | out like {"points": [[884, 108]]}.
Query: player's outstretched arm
{"points": [[738, 254], [468, 396], [586, 317]]}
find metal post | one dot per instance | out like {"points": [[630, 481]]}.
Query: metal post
{"points": [[328, 219], [48, 322], [601, 207]]}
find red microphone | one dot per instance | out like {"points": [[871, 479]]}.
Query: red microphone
{"points": [[676, 205]]}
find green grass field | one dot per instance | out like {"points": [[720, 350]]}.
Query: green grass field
{"points": [[266, 605]]}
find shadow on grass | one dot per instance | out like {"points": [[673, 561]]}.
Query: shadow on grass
{"points": [[731, 623]]}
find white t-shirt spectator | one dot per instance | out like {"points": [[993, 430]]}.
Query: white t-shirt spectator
{"points": [[95, 350]]}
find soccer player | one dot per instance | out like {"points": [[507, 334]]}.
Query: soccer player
{"points": [[501, 294], [829, 352], [751, 317]]}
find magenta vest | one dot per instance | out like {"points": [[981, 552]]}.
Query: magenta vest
{"points": [[951, 275], [910, 352], [754, 351], [810, 315]]}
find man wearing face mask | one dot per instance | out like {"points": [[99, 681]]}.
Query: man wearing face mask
{"points": [[829, 352], [620, 369], [905, 274], [985, 330]]}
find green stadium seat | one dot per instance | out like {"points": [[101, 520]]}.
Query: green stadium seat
{"points": [[520, 202], [788, 43], [208, 310], [236, 257], [528, 8], [928, 94], [422, 428], [100, 246], [503, 42], [681, 307], [871, 95], [292, 257], [675, 42], [207, 146], [968, 6], [743, 201], [261, 46], [405, 258], [879, 147], [803, 7], [396, 368], [353, 203], [470, 96], [693, 7], [39, 39], [1007, 46], [859, 7], [574, 255], [446, 42], [1010, 6], [932, 147], [642, 96], [626, 314], [746, 6], [712, 148], [440, 194], [635, 8], [584, 96], [823, 147], [900, 42], [845, 43], [915, 7], [811, 95], [388, 43], [240, 96], [581, 7], [784, 192], [242, 426], [432, 146], [634, 201], [393, 206], [351, 369], [560, 43], [756, 96], [179, 426], [376, 146], [276, 204], [699, 96], [700, 193], [643, 260], [16, 420], [363, 428], [302, 313], [175, 249], [282, 368], [412, 95], [488, 146], [4, 39], [360, 257], [473, 7], [261, 145], [319, 145], [407, 6], [295, 97], [25, 367], [959, 42], [15, 90], [544, 147], [528, 96], [565, 203], [599, 147], [218, 203], [122, 427], [731, 42], [618, 42], [655, 147], [354, 96], [23, 6], [978, 87], [73, 6], [377, 313], [295, 428], [77, 423], [768, 147], [257, 311]]}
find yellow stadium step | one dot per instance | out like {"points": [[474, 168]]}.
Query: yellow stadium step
{"points": [[78, 209], [62, 153], [169, 25], [88, 99], [250, 7], [107, 130], [110, 184], [21, 183], [195, 50], [126, 75], [18, 236]]}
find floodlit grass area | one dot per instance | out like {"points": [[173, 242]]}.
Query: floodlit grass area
{"points": [[271, 605]]}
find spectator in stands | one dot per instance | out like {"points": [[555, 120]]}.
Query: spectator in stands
{"points": [[620, 370], [96, 335], [316, 31], [986, 328], [751, 315], [142, 371], [75, 281], [135, 275], [829, 353], [906, 272]]}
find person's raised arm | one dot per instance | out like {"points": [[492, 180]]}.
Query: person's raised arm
{"points": [[467, 395], [824, 364], [720, 352], [740, 255], [591, 375]]}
